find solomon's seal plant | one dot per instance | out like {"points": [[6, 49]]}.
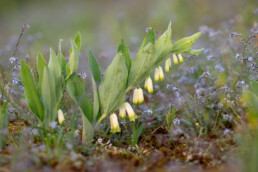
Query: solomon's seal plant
{"points": [[122, 75]]}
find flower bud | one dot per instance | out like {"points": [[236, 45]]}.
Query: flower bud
{"points": [[132, 116], [167, 65], [180, 58], [149, 85], [115, 128], [156, 75], [161, 74], [140, 96], [60, 116], [175, 59], [135, 96], [145, 84], [122, 112], [169, 62]]}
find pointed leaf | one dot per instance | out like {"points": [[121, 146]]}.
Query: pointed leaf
{"points": [[112, 88], [3, 124], [48, 96], [96, 107], [61, 59], [31, 93], [194, 52], [143, 63], [56, 71], [94, 68], [88, 131], [73, 63], [252, 102], [150, 38], [76, 88], [78, 40], [164, 45], [123, 49], [186, 43], [41, 64]]}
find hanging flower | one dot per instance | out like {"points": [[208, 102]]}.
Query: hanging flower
{"points": [[148, 85], [167, 65], [60, 116], [115, 128], [161, 74], [169, 62], [135, 96], [175, 59], [132, 116], [180, 58], [140, 96], [122, 112], [145, 83], [156, 74]]}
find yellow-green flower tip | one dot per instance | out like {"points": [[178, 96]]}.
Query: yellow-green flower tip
{"points": [[161, 74], [140, 96], [167, 66], [156, 75], [122, 112], [180, 58], [135, 96], [132, 116], [145, 84], [115, 128], [175, 59], [149, 85], [169, 62]]}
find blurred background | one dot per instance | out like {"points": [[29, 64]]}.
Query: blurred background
{"points": [[103, 23]]}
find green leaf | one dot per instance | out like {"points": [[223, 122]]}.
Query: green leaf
{"points": [[31, 93], [252, 102], [61, 59], [164, 45], [48, 96], [56, 71], [73, 63], [150, 38], [94, 68], [123, 49], [185, 44], [254, 87], [143, 63], [112, 88], [78, 40], [41, 64], [76, 89], [139, 131], [87, 132], [96, 107], [3, 123], [194, 52]]}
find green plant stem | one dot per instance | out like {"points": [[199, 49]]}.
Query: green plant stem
{"points": [[126, 130], [99, 121]]}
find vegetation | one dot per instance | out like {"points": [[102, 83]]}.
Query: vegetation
{"points": [[166, 106]]}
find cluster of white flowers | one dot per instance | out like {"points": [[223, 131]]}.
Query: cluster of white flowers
{"points": [[175, 59], [158, 75], [126, 107], [138, 97], [148, 85]]}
